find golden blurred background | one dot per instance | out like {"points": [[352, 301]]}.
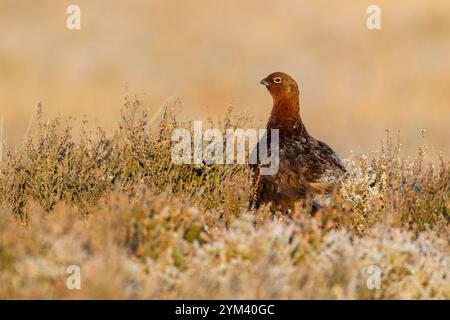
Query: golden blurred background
{"points": [[355, 83]]}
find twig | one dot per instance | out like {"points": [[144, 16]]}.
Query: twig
{"points": [[1, 139]]}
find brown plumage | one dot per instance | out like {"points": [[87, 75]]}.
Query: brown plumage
{"points": [[307, 166]]}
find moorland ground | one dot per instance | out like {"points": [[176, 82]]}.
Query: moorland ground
{"points": [[141, 227]]}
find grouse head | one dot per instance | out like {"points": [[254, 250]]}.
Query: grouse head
{"points": [[281, 86]]}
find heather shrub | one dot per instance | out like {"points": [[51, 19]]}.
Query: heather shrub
{"points": [[141, 227]]}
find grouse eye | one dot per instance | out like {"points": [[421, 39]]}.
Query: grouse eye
{"points": [[277, 80]]}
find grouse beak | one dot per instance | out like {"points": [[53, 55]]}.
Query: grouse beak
{"points": [[264, 82]]}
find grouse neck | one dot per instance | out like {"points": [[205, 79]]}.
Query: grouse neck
{"points": [[285, 116]]}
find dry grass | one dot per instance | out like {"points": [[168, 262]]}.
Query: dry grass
{"points": [[142, 227]]}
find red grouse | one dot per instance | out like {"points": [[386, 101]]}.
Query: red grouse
{"points": [[307, 167]]}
